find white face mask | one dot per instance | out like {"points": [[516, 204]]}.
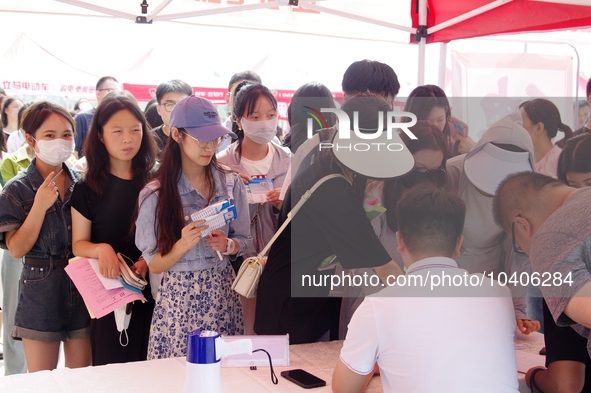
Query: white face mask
{"points": [[54, 152], [260, 131]]}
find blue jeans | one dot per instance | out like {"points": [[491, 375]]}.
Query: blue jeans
{"points": [[14, 353], [50, 307]]}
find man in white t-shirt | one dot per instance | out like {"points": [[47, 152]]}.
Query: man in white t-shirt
{"points": [[457, 336]]}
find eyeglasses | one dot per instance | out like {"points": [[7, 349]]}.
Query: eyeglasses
{"points": [[516, 247], [107, 90], [215, 143], [435, 176], [168, 106]]}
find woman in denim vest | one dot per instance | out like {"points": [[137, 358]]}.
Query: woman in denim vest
{"points": [[35, 223], [196, 290]]}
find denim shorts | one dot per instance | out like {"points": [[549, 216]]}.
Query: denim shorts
{"points": [[50, 307]]}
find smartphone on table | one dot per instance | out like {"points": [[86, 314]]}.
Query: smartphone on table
{"points": [[303, 378]]}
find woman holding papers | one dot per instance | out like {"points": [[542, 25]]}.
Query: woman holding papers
{"points": [[35, 223], [120, 153], [196, 290], [260, 163]]}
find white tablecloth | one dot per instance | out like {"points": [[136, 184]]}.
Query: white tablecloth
{"points": [[168, 375]]}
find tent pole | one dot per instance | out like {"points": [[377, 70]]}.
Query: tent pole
{"points": [[157, 10], [97, 8], [221, 10], [306, 4], [468, 15], [422, 43], [442, 64]]}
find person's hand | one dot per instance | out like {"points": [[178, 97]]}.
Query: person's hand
{"points": [[273, 198], [47, 193], [466, 143], [140, 268], [245, 178], [526, 326], [528, 375], [108, 261], [217, 241], [191, 235]]}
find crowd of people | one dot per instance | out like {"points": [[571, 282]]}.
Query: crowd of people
{"points": [[115, 180]]}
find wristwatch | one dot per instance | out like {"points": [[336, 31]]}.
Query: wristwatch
{"points": [[230, 247]]}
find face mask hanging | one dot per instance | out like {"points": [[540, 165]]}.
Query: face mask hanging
{"points": [[122, 318]]}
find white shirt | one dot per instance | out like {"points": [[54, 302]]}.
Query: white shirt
{"points": [[260, 167], [15, 141], [426, 341]]}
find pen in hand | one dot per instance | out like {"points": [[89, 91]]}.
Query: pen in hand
{"points": [[56, 176], [217, 251]]}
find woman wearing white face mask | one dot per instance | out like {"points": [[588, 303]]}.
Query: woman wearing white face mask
{"points": [[36, 223], [253, 154]]}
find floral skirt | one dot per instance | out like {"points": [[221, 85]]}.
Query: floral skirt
{"points": [[191, 300]]}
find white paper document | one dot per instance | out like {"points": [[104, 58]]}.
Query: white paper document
{"points": [[108, 283]]}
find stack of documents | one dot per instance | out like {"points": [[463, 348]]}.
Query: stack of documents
{"points": [[101, 295], [215, 216]]}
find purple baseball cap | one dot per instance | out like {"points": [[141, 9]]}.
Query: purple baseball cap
{"points": [[199, 117]]}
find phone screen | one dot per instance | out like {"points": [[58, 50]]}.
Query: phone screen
{"points": [[303, 378], [457, 126]]}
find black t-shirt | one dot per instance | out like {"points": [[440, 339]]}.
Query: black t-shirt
{"points": [[111, 216], [563, 343], [111, 219], [332, 221], [160, 137]]}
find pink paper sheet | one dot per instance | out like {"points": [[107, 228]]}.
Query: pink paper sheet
{"points": [[99, 300]]}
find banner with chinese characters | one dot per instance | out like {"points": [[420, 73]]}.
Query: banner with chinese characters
{"points": [[145, 93], [27, 87]]}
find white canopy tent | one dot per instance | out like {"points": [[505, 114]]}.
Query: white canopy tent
{"points": [[206, 41]]}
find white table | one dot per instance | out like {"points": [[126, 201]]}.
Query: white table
{"points": [[168, 375]]}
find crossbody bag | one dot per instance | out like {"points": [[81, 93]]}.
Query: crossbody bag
{"points": [[249, 274]]}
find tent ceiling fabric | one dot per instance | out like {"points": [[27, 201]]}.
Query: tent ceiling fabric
{"points": [[516, 16], [281, 18], [290, 45]]}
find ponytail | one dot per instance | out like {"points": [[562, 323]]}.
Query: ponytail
{"points": [[568, 132]]}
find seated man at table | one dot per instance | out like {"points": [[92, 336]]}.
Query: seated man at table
{"points": [[429, 332]]}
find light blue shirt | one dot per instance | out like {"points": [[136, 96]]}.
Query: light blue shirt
{"points": [[227, 185]]}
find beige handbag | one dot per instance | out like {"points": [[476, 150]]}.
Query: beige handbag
{"points": [[247, 279]]}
